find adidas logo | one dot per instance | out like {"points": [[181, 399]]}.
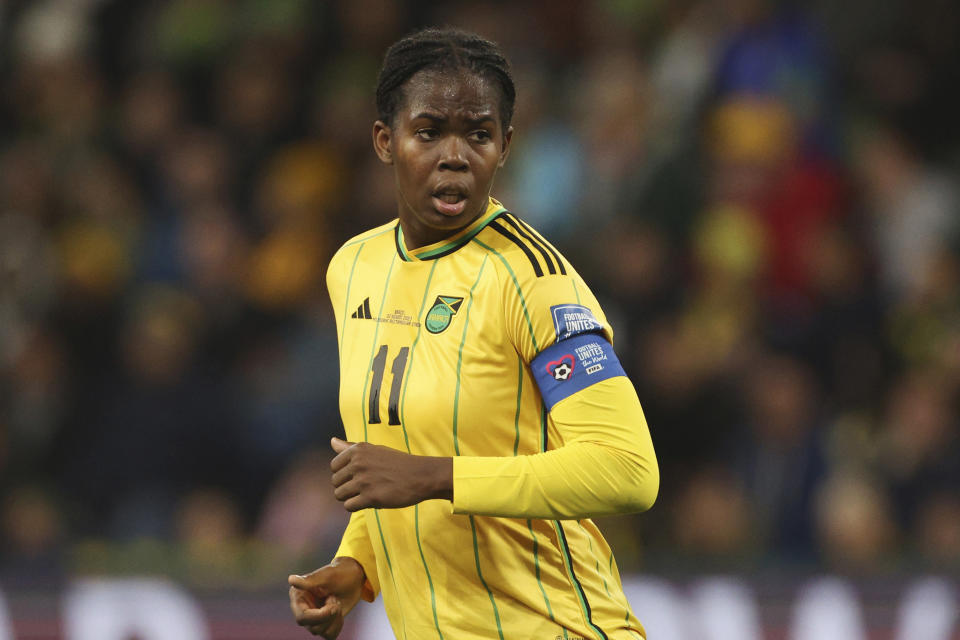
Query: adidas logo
{"points": [[363, 311]]}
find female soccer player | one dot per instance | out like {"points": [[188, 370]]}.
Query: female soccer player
{"points": [[487, 417]]}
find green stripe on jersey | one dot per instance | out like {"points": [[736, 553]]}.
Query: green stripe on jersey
{"points": [[363, 413], [373, 348], [594, 554], [456, 444], [463, 339], [403, 618], [516, 418], [523, 301], [476, 557], [346, 301], [578, 589], [406, 440], [413, 351], [366, 237], [536, 564], [423, 559]]}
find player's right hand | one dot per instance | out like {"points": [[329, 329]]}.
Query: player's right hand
{"points": [[320, 600]]}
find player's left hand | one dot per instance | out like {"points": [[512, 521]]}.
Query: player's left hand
{"points": [[368, 475]]}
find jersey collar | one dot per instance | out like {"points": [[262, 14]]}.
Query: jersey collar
{"points": [[451, 244]]}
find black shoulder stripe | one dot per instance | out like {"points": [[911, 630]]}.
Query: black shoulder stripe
{"points": [[553, 252], [536, 245], [517, 241]]}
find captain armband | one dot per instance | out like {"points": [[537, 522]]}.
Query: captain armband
{"points": [[572, 365]]}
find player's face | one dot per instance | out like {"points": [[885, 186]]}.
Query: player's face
{"points": [[446, 143]]}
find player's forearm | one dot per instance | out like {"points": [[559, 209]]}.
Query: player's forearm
{"points": [[606, 467], [581, 480]]}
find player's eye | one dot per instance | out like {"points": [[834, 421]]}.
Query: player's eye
{"points": [[481, 135], [427, 134]]}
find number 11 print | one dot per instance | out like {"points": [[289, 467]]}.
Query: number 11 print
{"points": [[379, 363]]}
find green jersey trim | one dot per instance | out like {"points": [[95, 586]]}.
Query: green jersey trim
{"points": [[448, 246]]}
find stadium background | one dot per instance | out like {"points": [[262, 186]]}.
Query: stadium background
{"points": [[764, 196]]}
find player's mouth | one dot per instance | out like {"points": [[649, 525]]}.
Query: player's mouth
{"points": [[450, 200]]}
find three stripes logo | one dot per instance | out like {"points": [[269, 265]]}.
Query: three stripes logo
{"points": [[529, 241], [363, 311]]}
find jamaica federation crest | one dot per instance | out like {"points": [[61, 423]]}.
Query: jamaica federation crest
{"points": [[441, 313]]}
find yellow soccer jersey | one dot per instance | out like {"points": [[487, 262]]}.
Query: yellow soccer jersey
{"points": [[444, 352]]}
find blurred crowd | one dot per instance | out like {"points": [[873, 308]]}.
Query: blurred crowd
{"points": [[763, 195]]}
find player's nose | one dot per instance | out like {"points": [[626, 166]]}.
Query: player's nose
{"points": [[453, 155]]}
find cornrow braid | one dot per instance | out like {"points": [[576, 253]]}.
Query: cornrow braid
{"points": [[443, 49]]}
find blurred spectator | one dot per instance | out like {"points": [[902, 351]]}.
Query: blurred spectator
{"points": [[778, 53], [611, 107], [37, 387], [712, 519], [162, 424], [913, 211], [855, 525], [287, 395], [151, 109], [919, 440], [209, 526], [780, 456], [33, 534], [938, 530]]}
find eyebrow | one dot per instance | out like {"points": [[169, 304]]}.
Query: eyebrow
{"points": [[481, 119]]}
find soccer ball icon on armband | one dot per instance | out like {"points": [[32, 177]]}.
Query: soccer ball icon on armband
{"points": [[561, 369], [562, 372]]}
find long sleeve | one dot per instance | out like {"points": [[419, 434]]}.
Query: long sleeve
{"points": [[356, 544], [606, 465]]}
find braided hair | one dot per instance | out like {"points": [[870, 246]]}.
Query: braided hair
{"points": [[443, 49]]}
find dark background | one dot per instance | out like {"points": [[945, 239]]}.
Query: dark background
{"points": [[764, 196]]}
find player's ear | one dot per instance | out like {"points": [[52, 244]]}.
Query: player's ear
{"points": [[507, 137], [382, 135]]}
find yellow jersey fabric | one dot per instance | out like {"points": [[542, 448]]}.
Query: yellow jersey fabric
{"points": [[436, 352]]}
